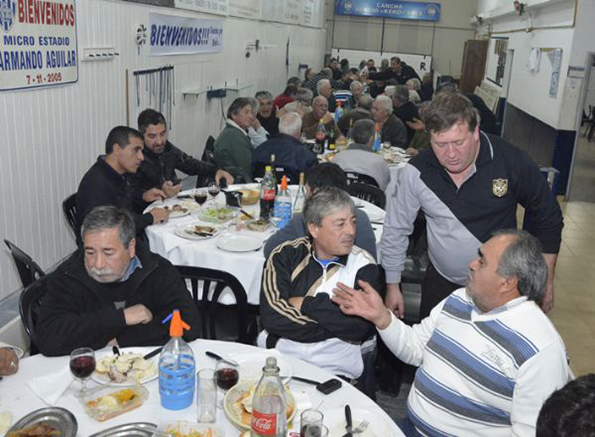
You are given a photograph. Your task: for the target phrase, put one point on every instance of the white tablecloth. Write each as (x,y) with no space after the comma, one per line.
(246,266)
(17,398)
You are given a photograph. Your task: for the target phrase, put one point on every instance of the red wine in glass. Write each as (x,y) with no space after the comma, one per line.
(82,366)
(200,197)
(213,190)
(227,378)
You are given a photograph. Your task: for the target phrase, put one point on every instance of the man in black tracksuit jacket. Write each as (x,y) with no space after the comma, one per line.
(85,306)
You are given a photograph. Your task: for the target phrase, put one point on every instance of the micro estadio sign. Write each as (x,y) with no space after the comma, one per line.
(38,43)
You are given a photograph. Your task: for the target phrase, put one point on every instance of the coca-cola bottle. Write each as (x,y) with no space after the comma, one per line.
(269,417)
(267,194)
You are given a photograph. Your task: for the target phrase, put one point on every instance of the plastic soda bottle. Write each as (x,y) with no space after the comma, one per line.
(282,210)
(269,417)
(267,193)
(377,145)
(338,112)
(177,376)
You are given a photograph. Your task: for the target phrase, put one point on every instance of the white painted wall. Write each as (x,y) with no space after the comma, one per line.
(444,40)
(52,136)
(530,91)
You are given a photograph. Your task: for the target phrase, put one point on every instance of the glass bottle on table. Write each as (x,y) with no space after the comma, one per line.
(320,138)
(274,173)
(267,193)
(331,140)
(269,417)
(300,199)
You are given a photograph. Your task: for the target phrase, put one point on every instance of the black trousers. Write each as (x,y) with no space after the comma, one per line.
(434,289)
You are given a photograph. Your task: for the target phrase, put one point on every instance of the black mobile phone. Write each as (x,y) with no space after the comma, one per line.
(329,386)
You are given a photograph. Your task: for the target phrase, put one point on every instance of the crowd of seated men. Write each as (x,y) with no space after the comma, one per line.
(488,357)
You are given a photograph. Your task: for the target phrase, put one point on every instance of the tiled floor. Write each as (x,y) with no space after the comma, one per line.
(574,309)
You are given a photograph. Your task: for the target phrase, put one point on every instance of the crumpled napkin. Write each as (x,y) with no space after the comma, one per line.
(52,386)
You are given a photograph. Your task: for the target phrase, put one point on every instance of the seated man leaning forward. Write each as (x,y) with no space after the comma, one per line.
(298,279)
(488,356)
(113,291)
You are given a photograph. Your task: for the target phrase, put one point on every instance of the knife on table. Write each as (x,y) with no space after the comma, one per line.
(348,421)
(220,358)
(153,353)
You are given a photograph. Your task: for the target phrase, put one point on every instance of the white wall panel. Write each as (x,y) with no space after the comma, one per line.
(50,137)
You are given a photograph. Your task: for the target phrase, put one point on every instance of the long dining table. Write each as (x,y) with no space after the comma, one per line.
(17,397)
(247,265)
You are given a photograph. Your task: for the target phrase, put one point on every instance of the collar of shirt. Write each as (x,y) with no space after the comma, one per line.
(134,264)
(237,126)
(507,306)
(358,146)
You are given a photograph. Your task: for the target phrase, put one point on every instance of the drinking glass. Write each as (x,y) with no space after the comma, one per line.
(82,366)
(200,196)
(206,396)
(310,418)
(213,189)
(226,376)
(315,431)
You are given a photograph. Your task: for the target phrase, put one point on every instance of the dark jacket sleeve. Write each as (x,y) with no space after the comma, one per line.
(328,314)
(394,131)
(279,317)
(386,74)
(294,229)
(364,236)
(162,292)
(66,322)
(89,195)
(193,166)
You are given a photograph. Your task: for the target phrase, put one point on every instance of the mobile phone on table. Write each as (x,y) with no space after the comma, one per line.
(329,386)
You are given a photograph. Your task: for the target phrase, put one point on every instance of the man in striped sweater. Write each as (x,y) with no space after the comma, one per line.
(488,356)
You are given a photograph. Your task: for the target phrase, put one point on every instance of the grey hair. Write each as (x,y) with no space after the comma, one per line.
(320,83)
(402,93)
(523,258)
(304,95)
(255,105)
(365,102)
(415,83)
(237,105)
(354,84)
(327,72)
(103,218)
(291,124)
(390,90)
(263,95)
(324,202)
(386,102)
(362,131)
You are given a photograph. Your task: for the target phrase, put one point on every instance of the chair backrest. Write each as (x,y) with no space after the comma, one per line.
(353,177)
(69,208)
(368,193)
(206,300)
(28,269)
(208,155)
(280,171)
(29,304)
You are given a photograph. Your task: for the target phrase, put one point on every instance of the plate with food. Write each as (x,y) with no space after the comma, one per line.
(128,368)
(251,364)
(218,214)
(334,419)
(196,231)
(104,402)
(181,209)
(238,404)
(45,422)
(182,428)
(258,225)
(136,429)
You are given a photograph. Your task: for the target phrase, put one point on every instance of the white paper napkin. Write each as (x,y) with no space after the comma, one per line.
(50,387)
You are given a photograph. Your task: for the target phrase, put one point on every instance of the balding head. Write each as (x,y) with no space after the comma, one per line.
(291,124)
(319,106)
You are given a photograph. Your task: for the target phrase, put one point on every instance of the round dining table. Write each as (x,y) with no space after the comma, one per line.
(247,265)
(17,397)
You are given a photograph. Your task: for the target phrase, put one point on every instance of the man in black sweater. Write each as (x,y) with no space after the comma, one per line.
(105,183)
(398,70)
(114,291)
(162,159)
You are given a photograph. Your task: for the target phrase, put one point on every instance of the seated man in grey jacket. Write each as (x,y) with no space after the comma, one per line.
(324,175)
(360,158)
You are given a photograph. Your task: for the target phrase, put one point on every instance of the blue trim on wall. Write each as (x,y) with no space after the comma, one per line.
(562,159)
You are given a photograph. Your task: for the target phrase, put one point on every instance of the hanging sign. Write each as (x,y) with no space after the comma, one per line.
(38,45)
(400,10)
(218,7)
(173,35)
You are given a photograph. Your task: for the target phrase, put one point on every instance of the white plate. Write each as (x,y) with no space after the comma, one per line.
(334,419)
(239,243)
(374,214)
(251,364)
(104,379)
(188,206)
(186,231)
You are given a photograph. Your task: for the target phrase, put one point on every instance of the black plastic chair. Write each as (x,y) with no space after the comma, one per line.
(69,208)
(368,193)
(208,155)
(218,321)
(29,304)
(354,178)
(29,270)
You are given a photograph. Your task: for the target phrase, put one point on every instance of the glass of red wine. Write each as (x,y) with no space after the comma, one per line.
(200,196)
(82,366)
(213,189)
(226,376)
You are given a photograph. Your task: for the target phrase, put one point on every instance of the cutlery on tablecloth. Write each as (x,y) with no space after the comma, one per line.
(348,422)
(153,353)
(220,358)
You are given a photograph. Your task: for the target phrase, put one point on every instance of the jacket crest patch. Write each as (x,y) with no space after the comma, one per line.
(499,187)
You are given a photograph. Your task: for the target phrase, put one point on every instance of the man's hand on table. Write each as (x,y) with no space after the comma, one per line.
(416,124)
(9,362)
(225,175)
(394,300)
(153,194)
(137,314)
(160,215)
(365,303)
(412,152)
(170,190)
(296,302)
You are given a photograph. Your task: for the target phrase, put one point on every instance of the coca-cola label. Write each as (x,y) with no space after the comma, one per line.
(268,194)
(264,424)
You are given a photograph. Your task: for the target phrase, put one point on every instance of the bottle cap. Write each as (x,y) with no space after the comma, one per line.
(177,325)
(284,182)
(267,168)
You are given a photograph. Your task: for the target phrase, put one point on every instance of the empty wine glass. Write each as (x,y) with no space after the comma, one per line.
(82,366)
